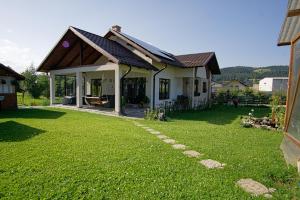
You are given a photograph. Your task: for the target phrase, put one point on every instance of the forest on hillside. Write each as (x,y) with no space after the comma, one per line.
(250,75)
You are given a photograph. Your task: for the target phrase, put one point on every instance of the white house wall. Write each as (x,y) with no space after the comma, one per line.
(266,85)
(107,81)
(201,72)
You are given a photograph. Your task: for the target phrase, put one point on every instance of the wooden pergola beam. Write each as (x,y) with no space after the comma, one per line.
(293,13)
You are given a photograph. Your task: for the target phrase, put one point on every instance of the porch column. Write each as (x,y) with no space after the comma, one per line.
(117,90)
(149,88)
(79,89)
(193,86)
(52,88)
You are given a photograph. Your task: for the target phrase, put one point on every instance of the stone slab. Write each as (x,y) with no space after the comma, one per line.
(253,187)
(192,154)
(154,132)
(169,141)
(179,146)
(162,137)
(212,164)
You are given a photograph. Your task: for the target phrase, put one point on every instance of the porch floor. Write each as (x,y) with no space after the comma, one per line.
(130,112)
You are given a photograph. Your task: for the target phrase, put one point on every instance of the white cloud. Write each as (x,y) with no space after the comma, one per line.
(9,30)
(17,57)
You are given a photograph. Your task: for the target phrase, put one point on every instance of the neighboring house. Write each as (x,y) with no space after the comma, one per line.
(234,85)
(119,65)
(274,85)
(8,80)
(290,35)
(215,87)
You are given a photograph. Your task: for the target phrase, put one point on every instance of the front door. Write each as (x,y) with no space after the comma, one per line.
(135,90)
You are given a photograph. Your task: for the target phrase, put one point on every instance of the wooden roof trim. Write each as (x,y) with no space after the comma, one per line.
(293,13)
(48,55)
(146,52)
(92,44)
(208,59)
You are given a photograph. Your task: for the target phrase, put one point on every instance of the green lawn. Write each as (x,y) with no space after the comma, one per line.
(61,154)
(28,100)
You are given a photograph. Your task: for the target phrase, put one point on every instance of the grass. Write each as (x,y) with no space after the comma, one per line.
(62,154)
(28,100)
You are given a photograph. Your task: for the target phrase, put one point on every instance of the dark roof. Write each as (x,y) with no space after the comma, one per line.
(61,57)
(116,50)
(188,60)
(225,83)
(95,46)
(200,60)
(7,71)
(194,60)
(291,26)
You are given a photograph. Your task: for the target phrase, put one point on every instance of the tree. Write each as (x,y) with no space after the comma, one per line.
(30,84)
(43,84)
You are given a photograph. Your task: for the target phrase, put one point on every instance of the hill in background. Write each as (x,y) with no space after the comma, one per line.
(250,75)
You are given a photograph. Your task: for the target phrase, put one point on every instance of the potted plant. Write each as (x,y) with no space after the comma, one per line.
(144,102)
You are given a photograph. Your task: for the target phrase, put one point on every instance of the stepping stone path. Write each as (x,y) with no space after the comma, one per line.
(169,141)
(162,137)
(212,164)
(149,129)
(155,132)
(192,154)
(179,146)
(255,188)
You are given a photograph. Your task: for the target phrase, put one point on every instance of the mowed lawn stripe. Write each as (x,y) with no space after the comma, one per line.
(56,153)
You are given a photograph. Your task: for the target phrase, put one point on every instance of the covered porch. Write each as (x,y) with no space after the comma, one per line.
(97,73)
(118,89)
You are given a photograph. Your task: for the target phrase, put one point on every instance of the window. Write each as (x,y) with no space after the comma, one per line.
(204,87)
(164,89)
(196,88)
(96,88)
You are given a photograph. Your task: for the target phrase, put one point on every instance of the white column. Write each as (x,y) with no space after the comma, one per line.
(149,88)
(193,87)
(117,90)
(79,89)
(52,88)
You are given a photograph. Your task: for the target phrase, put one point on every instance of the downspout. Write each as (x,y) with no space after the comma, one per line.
(122,86)
(153,100)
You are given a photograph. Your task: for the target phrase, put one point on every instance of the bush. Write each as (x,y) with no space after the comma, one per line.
(278,111)
(155,114)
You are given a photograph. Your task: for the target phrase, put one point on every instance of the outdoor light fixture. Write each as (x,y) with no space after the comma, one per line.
(66,44)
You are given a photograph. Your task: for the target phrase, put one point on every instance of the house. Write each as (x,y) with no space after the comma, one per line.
(119,67)
(234,85)
(215,87)
(8,81)
(290,35)
(273,85)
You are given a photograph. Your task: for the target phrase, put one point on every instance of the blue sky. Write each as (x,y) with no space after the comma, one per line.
(241,32)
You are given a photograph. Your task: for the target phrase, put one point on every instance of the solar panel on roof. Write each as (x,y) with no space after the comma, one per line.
(148,47)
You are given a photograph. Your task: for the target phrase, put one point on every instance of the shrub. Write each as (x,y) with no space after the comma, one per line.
(278,111)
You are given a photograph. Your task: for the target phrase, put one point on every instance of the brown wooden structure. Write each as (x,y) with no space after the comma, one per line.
(290,35)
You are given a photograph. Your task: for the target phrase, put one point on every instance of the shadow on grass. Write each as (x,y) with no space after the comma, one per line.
(220,115)
(11,131)
(33,113)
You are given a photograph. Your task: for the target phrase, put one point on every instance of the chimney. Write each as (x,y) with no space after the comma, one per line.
(116,28)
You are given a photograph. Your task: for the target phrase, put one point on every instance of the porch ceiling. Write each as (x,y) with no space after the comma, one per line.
(67,53)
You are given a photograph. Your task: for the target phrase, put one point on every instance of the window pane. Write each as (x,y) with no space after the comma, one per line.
(96,87)
(164,88)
